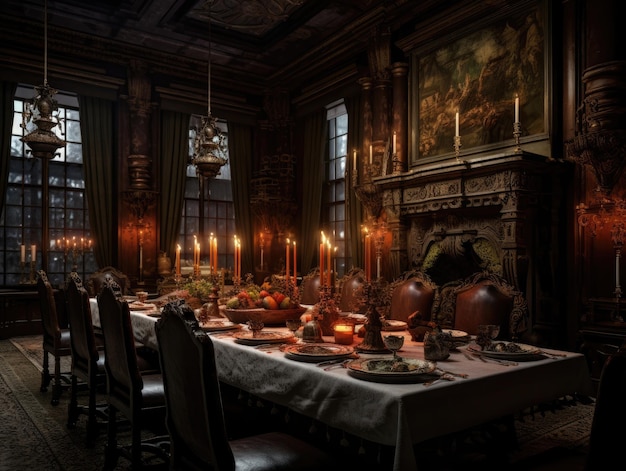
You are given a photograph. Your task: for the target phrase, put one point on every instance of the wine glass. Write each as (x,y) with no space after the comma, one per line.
(293,325)
(255,324)
(394,343)
(486,333)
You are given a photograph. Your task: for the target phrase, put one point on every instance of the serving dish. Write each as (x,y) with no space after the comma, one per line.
(525,353)
(381,370)
(316,352)
(267,316)
(265,336)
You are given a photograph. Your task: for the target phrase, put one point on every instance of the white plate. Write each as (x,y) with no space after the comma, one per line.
(265,336)
(138,306)
(314,352)
(527,353)
(373,369)
(217,325)
(390,325)
(456,334)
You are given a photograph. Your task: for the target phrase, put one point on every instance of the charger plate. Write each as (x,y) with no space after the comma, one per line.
(244,337)
(377,370)
(391,325)
(527,352)
(316,352)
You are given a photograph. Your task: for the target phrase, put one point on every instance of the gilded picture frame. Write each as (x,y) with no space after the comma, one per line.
(478,74)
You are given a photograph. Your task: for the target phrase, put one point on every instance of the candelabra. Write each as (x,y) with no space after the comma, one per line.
(31,273)
(73,249)
(374,294)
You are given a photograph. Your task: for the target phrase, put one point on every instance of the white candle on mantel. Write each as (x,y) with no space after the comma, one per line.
(394,142)
(22,253)
(370,154)
(516,109)
(456,127)
(33,252)
(354,160)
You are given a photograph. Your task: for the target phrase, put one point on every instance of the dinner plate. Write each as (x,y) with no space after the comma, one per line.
(390,325)
(377,370)
(138,306)
(527,353)
(456,334)
(265,336)
(219,324)
(315,352)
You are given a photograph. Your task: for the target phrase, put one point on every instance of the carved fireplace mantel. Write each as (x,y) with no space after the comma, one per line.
(499,204)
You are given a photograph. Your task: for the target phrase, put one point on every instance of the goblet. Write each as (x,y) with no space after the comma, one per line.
(485,333)
(293,325)
(394,343)
(255,324)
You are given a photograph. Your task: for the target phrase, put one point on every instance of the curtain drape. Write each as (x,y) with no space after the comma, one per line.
(315,149)
(173,170)
(96,127)
(354,209)
(240,155)
(8,95)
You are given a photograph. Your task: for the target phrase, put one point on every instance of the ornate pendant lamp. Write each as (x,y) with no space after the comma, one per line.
(209,146)
(42,141)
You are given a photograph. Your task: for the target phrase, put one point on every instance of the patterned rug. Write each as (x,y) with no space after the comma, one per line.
(34,436)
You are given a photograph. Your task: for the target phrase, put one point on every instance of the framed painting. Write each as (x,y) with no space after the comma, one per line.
(478,74)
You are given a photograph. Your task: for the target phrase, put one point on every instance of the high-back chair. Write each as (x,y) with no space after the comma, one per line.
(310,288)
(195,416)
(87,358)
(139,398)
(413,292)
(483,298)
(56,340)
(350,285)
(98,278)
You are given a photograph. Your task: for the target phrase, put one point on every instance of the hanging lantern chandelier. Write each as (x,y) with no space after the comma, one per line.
(209,145)
(42,140)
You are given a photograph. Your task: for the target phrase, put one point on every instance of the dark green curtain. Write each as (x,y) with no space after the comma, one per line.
(173,170)
(96,127)
(315,148)
(354,210)
(240,155)
(8,95)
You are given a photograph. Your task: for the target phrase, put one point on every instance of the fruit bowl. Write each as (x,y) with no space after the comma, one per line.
(268,316)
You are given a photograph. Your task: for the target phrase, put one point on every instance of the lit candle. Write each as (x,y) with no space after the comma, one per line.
(322,260)
(328,278)
(295,269)
(394,142)
(215,254)
(287,255)
(344,333)
(22,253)
(516,109)
(261,253)
(370,154)
(368,273)
(33,253)
(335,262)
(354,160)
(178,260)
(456,128)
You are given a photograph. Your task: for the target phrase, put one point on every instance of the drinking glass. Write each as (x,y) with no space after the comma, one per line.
(394,343)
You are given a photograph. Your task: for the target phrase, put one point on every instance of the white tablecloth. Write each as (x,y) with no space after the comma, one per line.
(399,415)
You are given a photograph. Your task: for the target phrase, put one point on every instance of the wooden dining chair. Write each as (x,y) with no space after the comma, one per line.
(483,298)
(411,293)
(350,285)
(97,279)
(56,340)
(87,360)
(138,397)
(310,288)
(195,415)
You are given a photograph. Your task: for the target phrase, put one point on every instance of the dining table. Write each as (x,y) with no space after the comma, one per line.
(467,389)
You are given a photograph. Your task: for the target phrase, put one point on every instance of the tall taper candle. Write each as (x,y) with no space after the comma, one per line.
(456,125)
(287,256)
(33,253)
(516,109)
(22,253)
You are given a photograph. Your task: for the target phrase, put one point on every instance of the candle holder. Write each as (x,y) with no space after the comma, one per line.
(325,313)
(31,275)
(375,297)
(517,133)
(457,147)
(73,249)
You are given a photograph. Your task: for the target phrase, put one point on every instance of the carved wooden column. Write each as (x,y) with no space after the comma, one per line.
(400,116)
(366,130)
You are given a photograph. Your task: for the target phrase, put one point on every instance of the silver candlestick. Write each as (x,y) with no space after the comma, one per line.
(517,133)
